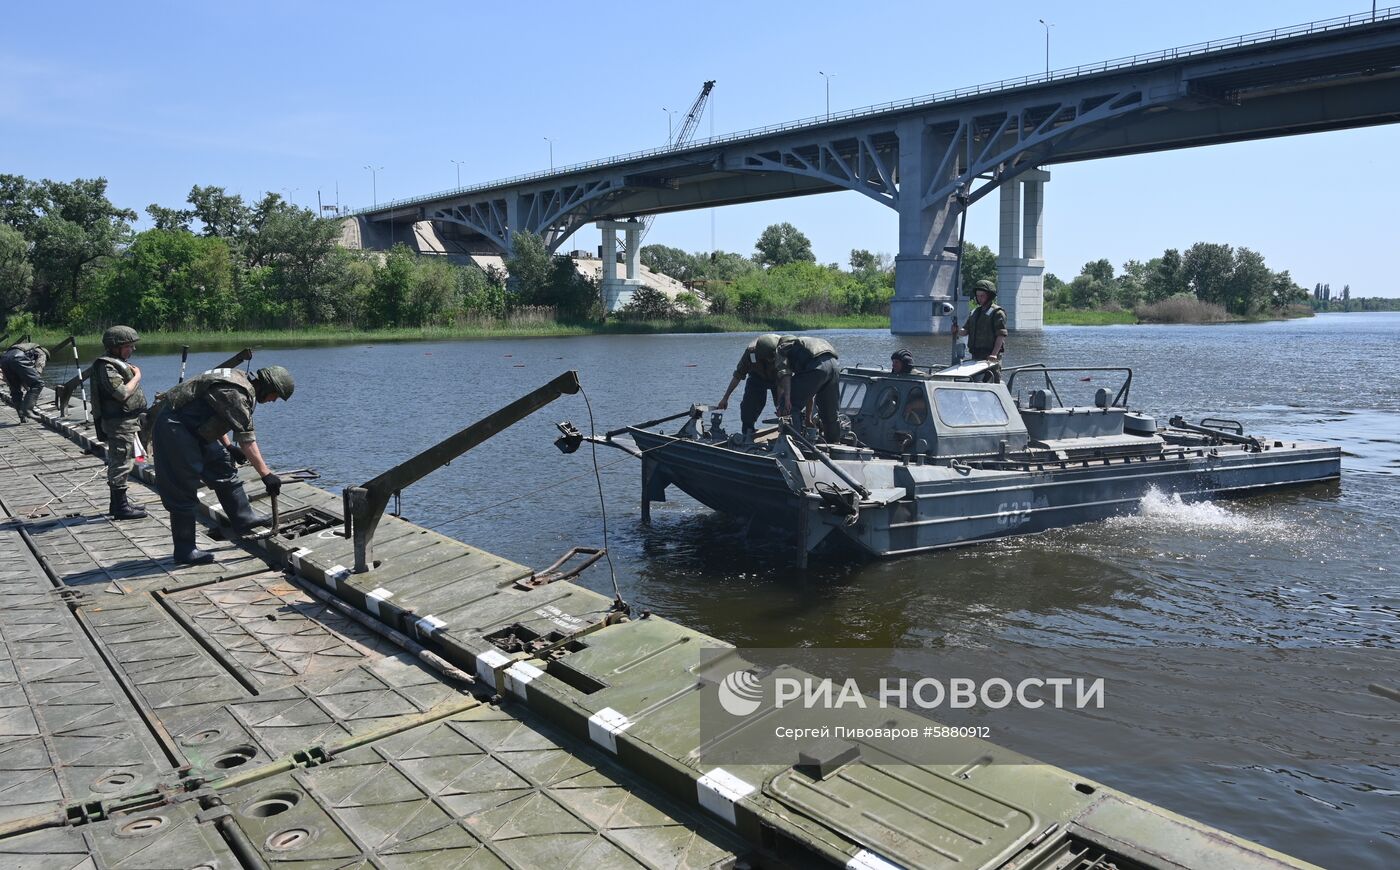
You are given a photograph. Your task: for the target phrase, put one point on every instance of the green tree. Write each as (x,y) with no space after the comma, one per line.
(16,274)
(781,244)
(76,227)
(1131,286)
(723,266)
(1250,284)
(670,261)
(481,294)
(221,213)
(528,266)
(572,296)
(295,244)
(170,218)
(1167,278)
(393,286)
(1206,267)
(171,279)
(979,263)
(1093,287)
(864,261)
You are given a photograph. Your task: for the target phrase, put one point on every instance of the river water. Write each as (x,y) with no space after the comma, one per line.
(1303,568)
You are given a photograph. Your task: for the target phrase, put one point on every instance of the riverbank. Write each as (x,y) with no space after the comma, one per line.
(325,336)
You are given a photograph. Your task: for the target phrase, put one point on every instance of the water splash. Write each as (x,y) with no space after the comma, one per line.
(1162,510)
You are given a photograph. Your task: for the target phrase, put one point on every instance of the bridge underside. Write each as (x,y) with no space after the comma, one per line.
(932,162)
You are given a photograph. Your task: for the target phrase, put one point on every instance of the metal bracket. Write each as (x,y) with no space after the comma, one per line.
(364,505)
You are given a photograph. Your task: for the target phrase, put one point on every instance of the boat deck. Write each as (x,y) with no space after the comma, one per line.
(274,709)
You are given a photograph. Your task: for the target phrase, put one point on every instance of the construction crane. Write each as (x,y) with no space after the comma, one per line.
(682,137)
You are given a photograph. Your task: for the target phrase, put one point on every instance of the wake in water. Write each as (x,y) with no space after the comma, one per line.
(1168,511)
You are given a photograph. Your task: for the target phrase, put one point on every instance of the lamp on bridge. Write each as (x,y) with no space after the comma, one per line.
(828,77)
(459,172)
(1047,46)
(551,152)
(374,182)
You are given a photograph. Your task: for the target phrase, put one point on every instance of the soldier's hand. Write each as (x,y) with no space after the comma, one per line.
(237,454)
(723,405)
(273,483)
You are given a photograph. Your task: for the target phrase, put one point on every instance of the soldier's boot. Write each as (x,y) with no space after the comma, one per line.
(182,532)
(240,513)
(31,400)
(122,509)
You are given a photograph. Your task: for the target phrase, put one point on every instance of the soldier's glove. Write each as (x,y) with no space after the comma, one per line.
(273,483)
(236,453)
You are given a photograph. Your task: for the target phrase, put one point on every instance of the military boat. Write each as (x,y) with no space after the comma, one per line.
(938,458)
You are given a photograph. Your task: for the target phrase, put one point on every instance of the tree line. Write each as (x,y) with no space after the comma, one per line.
(69,258)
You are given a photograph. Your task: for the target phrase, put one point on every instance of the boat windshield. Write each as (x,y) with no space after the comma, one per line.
(852,397)
(969,407)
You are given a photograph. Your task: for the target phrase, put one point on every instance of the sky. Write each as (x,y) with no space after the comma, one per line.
(300,97)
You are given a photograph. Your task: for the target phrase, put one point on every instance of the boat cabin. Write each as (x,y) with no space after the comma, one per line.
(948,413)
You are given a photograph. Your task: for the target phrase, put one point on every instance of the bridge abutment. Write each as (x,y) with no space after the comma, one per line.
(924,269)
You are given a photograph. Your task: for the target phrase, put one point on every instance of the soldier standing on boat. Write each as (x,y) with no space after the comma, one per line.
(807,371)
(985,326)
(192,445)
(120,404)
(23,366)
(758,370)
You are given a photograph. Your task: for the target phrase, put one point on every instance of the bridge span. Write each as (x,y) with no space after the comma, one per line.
(931,158)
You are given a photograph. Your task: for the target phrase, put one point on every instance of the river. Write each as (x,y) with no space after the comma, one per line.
(1307,567)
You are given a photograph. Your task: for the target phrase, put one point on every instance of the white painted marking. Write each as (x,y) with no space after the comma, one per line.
(336,574)
(376,598)
(520,675)
(719,790)
(486,665)
(296,556)
(605,725)
(427,625)
(868,860)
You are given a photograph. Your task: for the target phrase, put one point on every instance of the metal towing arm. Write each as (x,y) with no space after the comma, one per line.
(365,504)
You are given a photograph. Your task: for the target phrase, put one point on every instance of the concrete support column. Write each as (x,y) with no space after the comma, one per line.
(633,240)
(617,292)
(1021,266)
(609,253)
(925,269)
(1010,220)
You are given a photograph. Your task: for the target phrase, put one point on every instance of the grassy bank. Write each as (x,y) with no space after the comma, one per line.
(1077,317)
(203,340)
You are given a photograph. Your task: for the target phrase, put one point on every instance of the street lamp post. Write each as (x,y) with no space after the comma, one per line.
(670,115)
(374,182)
(1047,46)
(828,77)
(551,152)
(459,171)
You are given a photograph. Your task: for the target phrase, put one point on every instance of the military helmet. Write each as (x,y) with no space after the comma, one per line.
(766,345)
(278,379)
(986,287)
(116,336)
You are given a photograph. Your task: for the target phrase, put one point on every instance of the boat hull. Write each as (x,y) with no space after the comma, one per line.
(927,507)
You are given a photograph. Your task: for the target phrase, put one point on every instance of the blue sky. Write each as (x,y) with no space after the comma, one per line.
(299,96)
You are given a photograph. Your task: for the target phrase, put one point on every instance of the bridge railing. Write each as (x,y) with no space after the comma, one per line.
(1144,59)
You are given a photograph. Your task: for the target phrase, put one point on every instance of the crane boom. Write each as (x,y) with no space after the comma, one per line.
(682,137)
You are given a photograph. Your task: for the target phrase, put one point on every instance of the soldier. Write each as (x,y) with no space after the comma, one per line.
(901,362)
(23,365)
(760,376)
(986,325)
(807,371)
(192,445)
(116,383)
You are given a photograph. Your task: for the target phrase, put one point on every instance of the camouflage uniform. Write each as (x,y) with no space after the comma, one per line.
(120,417)
(983,326)
(810,363)
(760,377)
(23,366)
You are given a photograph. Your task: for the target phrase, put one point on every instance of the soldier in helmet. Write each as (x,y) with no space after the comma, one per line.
(192,444)
(23,366)
(986,325)
(116,384)
(808,374)
(758,370)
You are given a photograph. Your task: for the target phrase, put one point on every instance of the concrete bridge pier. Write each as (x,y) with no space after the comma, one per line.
(617,292)
(925,268)
(1021,257)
